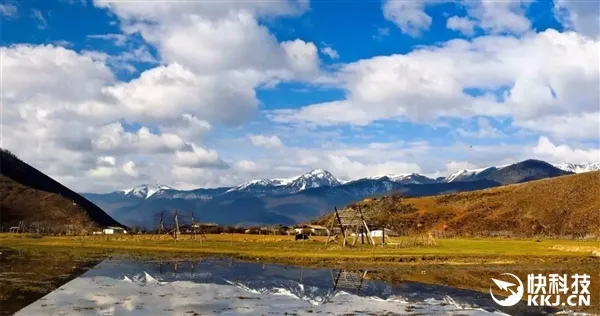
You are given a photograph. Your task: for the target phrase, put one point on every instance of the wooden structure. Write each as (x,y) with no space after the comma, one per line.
(354,220)
(317,230)
(16,229)
(349,280)
(175,232)
(196,228)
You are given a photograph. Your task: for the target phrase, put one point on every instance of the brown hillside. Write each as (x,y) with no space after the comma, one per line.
(562,206)
(29,196)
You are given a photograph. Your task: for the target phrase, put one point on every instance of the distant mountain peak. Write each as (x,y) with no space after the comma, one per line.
(145,190)
(404,178)
(312,179)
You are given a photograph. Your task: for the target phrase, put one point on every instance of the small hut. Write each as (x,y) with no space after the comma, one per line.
(114,230)
(312,230)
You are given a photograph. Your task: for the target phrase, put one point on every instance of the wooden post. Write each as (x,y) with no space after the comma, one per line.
(362,236)
(176,226)
(382,237)
(369,237)
(337,215)
(330,230)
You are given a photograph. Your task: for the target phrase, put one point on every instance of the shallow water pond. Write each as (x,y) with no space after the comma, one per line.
(230,287)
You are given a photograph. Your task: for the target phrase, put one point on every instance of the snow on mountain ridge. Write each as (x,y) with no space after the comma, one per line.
(579,167)
(145,190)
(313,179)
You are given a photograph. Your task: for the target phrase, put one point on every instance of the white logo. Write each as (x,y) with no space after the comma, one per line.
(513,298)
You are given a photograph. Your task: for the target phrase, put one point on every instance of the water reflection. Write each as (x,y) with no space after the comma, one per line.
(124,287)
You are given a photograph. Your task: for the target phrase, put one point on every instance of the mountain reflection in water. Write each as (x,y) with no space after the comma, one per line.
(124,287)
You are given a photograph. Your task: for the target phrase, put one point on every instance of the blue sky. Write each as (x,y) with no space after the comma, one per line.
(200,94)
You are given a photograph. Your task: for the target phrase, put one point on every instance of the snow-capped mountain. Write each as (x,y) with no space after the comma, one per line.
(145,190)
(467,174)
(579,167)
(405,178)
(314,179)
(307,196)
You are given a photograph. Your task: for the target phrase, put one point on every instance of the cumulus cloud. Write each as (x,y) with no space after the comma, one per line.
(494,17)
(433,82)
(581,16)
(114,138)
(409,16)
(485,129)
(270,142)
(500,16)
(301,56)
(330,52)
(129,169)
(463,25)
(546,149)
(199,157)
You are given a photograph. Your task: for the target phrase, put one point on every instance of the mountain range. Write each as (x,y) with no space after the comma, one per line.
(298,199)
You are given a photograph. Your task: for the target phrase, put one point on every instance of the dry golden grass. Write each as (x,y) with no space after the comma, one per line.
(562,206)
(50,212)
(565,207)
(315,251)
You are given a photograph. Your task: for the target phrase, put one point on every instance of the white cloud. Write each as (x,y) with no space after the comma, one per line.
(105,171)
(46,70)
(409,16)
(107,160)
(199,157)
(102,172)
(248,166)
(206,77)
(164,92)
(269,142)
(129,169)
(430,82)
(584,125)
(332,53)
(114,139)
(581,16)
(190,127)
(301,56)
(492,16)
(500,16)
(344,167)
(117,39)
(545,149)
(463,25)
(8,10)
(485,129)
(38,16)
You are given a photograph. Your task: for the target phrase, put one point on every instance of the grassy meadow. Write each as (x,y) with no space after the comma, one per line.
(278,248)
